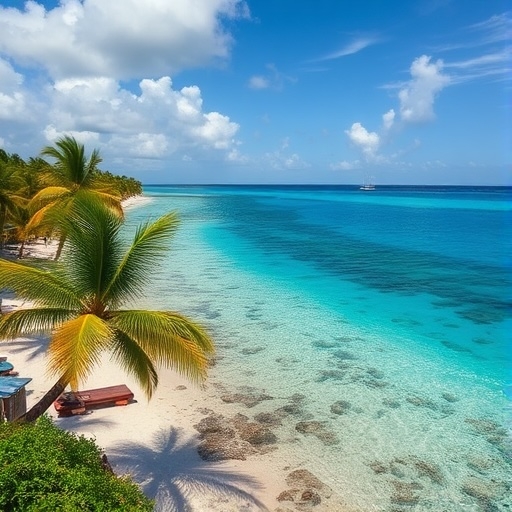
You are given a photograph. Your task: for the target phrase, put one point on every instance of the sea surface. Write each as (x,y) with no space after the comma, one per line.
(383,317)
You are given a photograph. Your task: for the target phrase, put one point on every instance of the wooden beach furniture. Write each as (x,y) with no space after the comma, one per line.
(69,403)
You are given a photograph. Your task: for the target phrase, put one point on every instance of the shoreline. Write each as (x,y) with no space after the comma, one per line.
(157,442)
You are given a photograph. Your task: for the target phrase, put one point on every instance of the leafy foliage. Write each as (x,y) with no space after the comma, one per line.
(80,304)
(23,182)
(44,468)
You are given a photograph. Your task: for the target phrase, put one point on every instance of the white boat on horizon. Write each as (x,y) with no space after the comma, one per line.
(368,185)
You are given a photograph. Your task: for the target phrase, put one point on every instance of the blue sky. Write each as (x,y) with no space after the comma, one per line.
(281,91)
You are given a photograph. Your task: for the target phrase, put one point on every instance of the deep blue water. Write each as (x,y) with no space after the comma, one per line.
(396,300)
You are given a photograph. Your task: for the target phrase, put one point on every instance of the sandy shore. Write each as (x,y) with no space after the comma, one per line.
(157,442)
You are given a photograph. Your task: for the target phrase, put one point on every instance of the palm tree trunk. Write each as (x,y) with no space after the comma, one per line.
(61,246)
(46,401)
(3,214)
(20,252)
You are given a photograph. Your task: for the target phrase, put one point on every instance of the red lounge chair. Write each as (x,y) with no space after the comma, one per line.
(77,403)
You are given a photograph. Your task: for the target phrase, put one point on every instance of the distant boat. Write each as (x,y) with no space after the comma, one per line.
(368,185)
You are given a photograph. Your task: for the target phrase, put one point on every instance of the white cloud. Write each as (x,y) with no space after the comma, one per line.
(418,95)
(157,122)
(344,165)
(354,46)
(123,40)
(258,82)
(13,102)
(274,79)
(388,119)
(367,142)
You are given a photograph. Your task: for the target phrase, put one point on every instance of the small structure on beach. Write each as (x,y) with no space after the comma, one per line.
(13,397)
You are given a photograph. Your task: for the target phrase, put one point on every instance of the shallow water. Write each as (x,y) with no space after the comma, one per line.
(383,315)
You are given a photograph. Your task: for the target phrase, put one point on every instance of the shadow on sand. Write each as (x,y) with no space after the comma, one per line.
(170,471)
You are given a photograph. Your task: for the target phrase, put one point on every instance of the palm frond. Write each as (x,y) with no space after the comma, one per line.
(168,339)
(150,244)
(41,287)
(94,245)
(33,321)
(41,218)
(76,346)
(70,157)
(48,195)
(130,356)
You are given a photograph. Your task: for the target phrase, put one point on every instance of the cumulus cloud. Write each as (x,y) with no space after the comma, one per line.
(367,142)
(12,100)
(80,51)
(123,40)
(417,96)
(388,119)
(155,122)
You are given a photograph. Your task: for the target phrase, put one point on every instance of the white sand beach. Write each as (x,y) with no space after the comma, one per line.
(156,441)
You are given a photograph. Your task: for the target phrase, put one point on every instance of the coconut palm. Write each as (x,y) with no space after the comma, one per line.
(10,184)
(19,219)
(79,303)
(72,176)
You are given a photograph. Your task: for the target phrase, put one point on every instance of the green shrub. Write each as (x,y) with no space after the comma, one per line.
(46,469)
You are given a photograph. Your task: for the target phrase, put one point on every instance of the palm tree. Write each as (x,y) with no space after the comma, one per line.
(19,219)
(79,303)
(72,176)
(10,184)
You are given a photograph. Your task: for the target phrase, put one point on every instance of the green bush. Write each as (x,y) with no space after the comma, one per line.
(44,468)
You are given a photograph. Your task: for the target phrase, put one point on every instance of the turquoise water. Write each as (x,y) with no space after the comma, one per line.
(388,311)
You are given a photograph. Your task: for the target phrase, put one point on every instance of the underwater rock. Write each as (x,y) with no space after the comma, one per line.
(325,344)
(305,479)
(305,491)
(213,423)
(340,407)
(392,404)
(218,446)
(455,346)
(378,467)
(272,419)
(180,388)
(419,401)
(375,373)
(373,383)
(410,468)
(404,493)
(482,341)
(235,438)
(249,400)
(317,429)
(251,350)
(481,463)
(288,495)
(344,355)
(429,470)
(450,398)
(295,407)
(331,375)
(254,433)
(491,431)
(482,490)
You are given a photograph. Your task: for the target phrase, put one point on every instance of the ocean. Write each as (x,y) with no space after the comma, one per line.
(382,319)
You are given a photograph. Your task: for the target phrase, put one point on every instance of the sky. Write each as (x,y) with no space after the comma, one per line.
(265,91)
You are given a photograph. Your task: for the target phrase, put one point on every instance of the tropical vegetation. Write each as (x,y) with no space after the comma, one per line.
(80,303)
(45,189)
(44,468)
